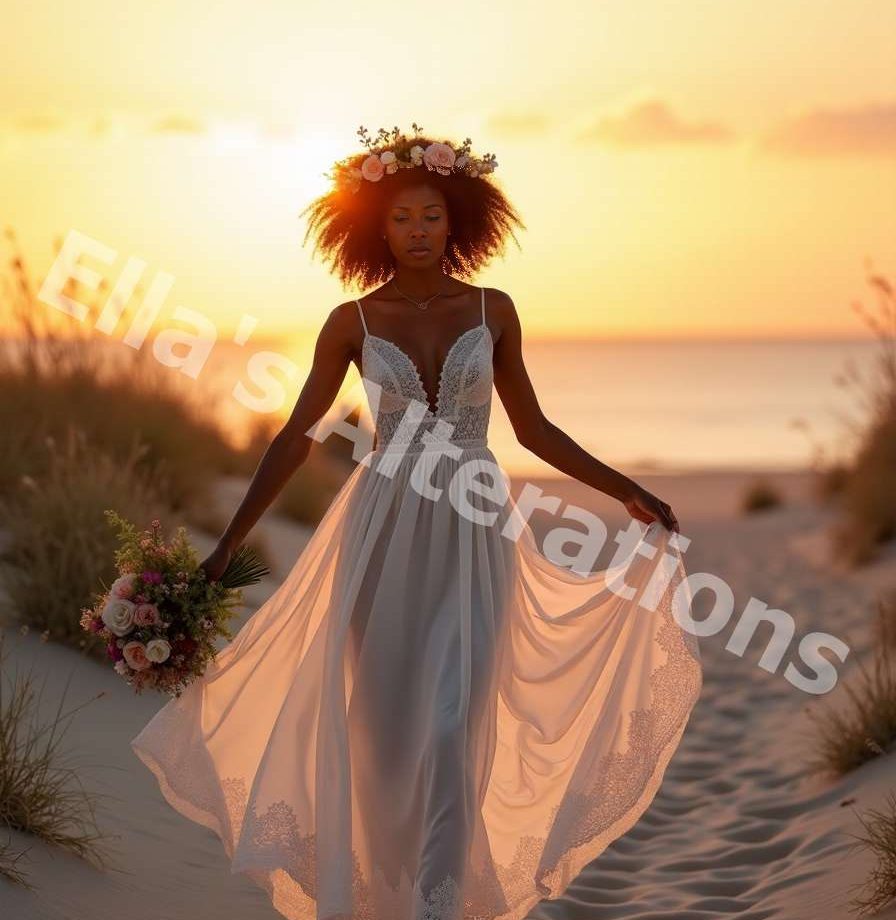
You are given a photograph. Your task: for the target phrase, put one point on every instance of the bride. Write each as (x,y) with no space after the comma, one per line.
(432,718)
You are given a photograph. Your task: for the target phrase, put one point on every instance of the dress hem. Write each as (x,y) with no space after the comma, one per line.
(562,875)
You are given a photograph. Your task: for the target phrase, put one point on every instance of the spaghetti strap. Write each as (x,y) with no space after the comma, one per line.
(483,305)
(363,321)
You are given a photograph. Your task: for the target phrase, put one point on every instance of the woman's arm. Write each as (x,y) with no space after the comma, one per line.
(546,440)
(290,446)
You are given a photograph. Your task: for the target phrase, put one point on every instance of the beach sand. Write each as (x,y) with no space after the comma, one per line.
(739,827)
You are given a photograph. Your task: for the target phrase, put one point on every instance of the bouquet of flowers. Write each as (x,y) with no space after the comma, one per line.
(160,617)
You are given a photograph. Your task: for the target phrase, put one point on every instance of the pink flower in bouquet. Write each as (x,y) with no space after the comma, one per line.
(147,615)
(123,586)
(135,655)
(114,652)
(152,578)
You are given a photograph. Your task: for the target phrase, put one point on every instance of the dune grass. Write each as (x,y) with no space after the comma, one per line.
(864,727)
(41,794)
(59,546)
(760,495)
(879,888)
(58,373)
(864,488)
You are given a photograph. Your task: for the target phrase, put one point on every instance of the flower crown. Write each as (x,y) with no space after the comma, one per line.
(389,152)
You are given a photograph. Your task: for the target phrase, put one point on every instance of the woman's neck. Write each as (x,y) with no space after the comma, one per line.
(423,283)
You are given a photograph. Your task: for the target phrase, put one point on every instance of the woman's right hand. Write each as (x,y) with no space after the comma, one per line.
(216,563)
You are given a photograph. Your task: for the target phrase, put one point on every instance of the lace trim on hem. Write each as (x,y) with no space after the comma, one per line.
(295,899)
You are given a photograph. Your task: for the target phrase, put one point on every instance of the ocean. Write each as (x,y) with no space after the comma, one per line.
(643,406)
(685,405)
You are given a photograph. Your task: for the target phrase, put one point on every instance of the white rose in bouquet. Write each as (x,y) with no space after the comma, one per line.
(158,650)
(118,615)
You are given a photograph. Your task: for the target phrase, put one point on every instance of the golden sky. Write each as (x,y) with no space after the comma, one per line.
(701,168)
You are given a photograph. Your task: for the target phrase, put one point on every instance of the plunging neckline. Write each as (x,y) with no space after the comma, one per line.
(413,364)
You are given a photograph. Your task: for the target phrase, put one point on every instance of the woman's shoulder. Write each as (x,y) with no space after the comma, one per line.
(500,300)
(500,312)
(342,330)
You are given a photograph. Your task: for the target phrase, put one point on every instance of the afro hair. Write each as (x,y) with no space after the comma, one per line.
(347,224)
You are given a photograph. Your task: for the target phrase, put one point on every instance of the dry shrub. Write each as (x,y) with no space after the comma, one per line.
(879,889)
(40,793)
(760,495)
(865,726)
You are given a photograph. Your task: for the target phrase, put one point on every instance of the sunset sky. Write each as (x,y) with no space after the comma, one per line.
(701,168)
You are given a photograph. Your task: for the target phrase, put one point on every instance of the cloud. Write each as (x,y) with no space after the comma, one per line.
(38,123)
(518,125)
(868,130)
(652,124)
(178,124)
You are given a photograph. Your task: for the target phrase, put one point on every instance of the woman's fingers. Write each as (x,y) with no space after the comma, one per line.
(669,519)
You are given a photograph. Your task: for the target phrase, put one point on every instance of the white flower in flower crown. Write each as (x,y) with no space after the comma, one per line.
(416,154)
(462,161)
(388,158)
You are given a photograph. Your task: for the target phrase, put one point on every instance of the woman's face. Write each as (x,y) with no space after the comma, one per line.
(416,226)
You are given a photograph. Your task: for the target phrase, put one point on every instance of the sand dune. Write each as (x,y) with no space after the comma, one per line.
(738,829)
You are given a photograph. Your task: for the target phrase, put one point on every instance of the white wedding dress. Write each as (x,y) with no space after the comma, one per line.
(430,719)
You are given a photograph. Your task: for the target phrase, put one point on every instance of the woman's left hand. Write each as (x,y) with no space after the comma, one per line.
(646,507)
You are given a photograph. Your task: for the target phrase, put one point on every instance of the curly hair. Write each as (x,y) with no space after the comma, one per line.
(348,225)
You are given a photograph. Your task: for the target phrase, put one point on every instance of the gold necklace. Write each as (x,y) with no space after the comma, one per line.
(420,305)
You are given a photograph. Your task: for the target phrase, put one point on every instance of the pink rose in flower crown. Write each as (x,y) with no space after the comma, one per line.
(439,157)
(146,615)
(373,168)
(135,655)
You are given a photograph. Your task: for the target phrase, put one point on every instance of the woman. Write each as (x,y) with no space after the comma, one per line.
(431,718)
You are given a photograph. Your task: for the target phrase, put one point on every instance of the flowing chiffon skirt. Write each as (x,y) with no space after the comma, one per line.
(429,718)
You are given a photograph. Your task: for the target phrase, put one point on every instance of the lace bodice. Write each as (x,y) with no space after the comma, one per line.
(395,390)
